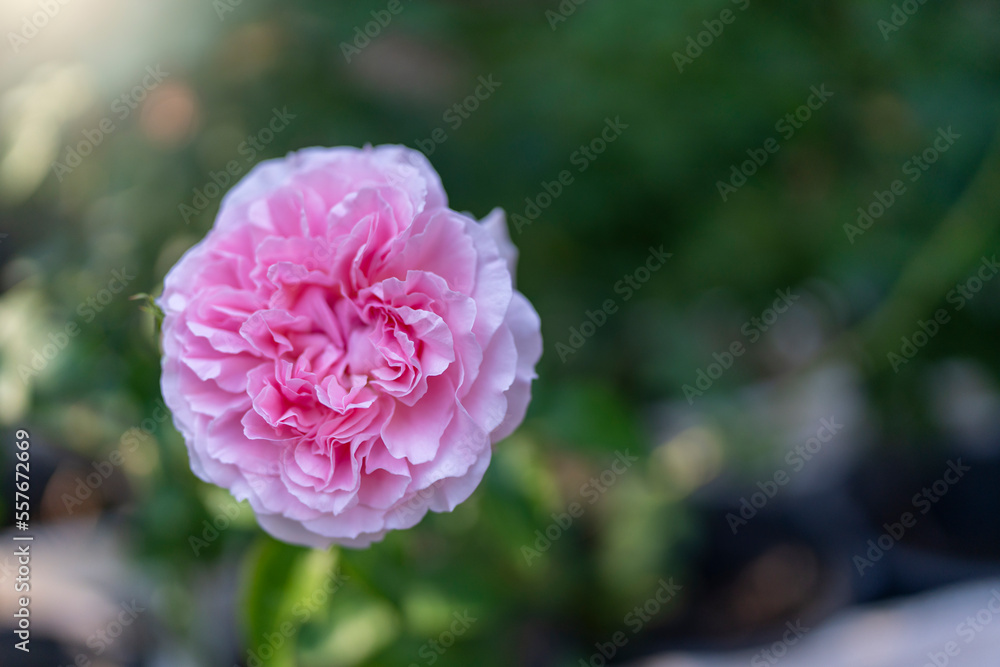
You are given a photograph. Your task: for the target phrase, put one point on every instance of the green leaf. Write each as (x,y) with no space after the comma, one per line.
(281,586)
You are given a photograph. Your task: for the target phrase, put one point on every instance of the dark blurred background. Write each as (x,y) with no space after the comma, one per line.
(793,420)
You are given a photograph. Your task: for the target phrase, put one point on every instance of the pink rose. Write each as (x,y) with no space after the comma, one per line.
(342,349)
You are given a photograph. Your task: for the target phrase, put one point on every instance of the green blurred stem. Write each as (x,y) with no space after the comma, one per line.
(947,257)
